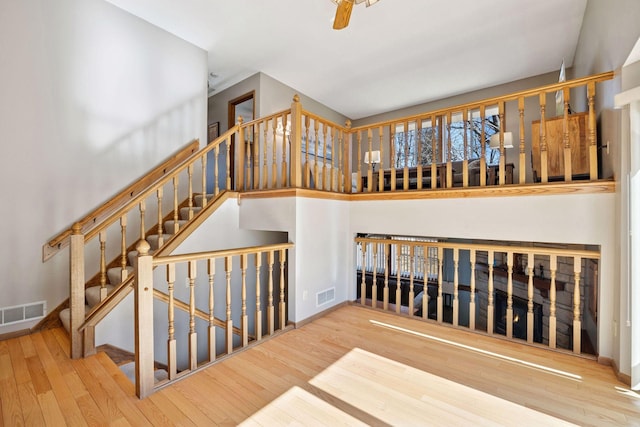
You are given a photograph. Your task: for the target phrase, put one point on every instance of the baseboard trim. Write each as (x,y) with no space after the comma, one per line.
(621,376)
(319,315)
(14,334)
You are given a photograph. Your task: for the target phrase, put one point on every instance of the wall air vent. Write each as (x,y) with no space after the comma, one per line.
(325,296)
(23,313)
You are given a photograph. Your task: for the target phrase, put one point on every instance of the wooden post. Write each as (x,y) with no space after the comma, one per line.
(593,150)
(256,155)
(240,149)
(359,154)
(143,297)
(295,156)
(522,167)
(176,205)
(472,284)
(274,151)
(270,311)
(509,294)
(228,265)
(374,285)
(123,248)
(411,289)
(306,174)
(363,271)
(258,319)
(370,168)
(211,271)
(456,278)
(204,180)
(565,137)
(398,277)
(425,283)
(440,270)
(103,264)
(316,128)
(159,194)
(385,291)
(216,175)
(193,335)
(76,288)
(172,363)
(282,305)
(553,267)
(405,172)
(434,151)
(503,154)
(544,155)
(449,152)
(530,271)
(189,196)
(244,326)
(284,166)
(577,331)
(420,160)
(490,260)
(483,148)
(346,161)
(228,165)
(392,148)
(465,158)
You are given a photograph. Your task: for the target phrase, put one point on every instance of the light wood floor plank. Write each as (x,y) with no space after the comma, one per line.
(354,365)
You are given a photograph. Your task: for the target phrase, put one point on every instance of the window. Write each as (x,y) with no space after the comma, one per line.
(414,146)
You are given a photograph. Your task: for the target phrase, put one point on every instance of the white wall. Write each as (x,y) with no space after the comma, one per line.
(92,98)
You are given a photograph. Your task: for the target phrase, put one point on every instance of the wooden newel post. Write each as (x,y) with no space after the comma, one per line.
(143,291)
(76,288)
(295,159)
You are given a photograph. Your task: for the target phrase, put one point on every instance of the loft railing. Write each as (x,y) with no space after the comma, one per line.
(537,294)
(250,282)
(105,249)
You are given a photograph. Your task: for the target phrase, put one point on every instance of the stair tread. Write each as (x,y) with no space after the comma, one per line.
(92,294)
(114,274)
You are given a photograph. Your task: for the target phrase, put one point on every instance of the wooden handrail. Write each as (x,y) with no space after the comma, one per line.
(596,78)
(94,218)
(160,260)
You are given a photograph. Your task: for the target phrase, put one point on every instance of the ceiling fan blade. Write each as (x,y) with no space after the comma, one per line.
(343,13)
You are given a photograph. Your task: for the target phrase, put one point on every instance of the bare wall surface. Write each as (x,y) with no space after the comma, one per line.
(92,98)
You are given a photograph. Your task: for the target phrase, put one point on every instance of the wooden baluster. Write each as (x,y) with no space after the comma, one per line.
(172,365)
(449,153)
(593,150)
(285,137)
(193,336)
(544,155)
(553,267)
(316,126)
(103,265)
(398,277)
(522,167)
(265,163)
(274,151)
(76,288)
(530,319)
(374,285)
(392,151)
(472,294)
(345,160)
(359,151)
(243,310)
(577,268)
(143,208)
(419,153)
(159,194)
(334,163)
(405,173)
(189,195)
(270,311)
(565,137)
(307,169)
(228,266)
(456,278)
(363,274)
(339,137)
(412,294)
(176,205)
(249,146)
(204,180)
(385,292)
(143,318)
(216,154)
(370,168)
(434,152)
(465,142)
(282,305)
(483,147)
(509,294)
(258,318)
(490,312)
(324,157)
(256,155)
(425,282)
(502,164)
(211,272)
(440,271)
(228,165)
(123,248)
(381,171)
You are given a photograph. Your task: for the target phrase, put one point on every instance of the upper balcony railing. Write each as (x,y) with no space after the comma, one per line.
(460,146)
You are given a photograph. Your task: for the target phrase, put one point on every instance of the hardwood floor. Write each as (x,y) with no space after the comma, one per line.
(354,366)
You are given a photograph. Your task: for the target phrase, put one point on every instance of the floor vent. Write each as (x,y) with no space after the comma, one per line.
(23,313)
(325,296)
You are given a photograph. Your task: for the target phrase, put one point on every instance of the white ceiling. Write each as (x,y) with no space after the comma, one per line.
(394,54)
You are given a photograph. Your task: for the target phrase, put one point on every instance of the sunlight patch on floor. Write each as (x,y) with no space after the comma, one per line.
(299,407)
(536,366)
(399,394)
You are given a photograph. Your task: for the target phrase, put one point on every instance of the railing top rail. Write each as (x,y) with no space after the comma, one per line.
(584,253)
(266,118)
(323,120)
(596,78)
(219,254)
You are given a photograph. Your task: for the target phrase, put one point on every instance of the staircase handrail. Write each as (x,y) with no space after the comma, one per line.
(60,241)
